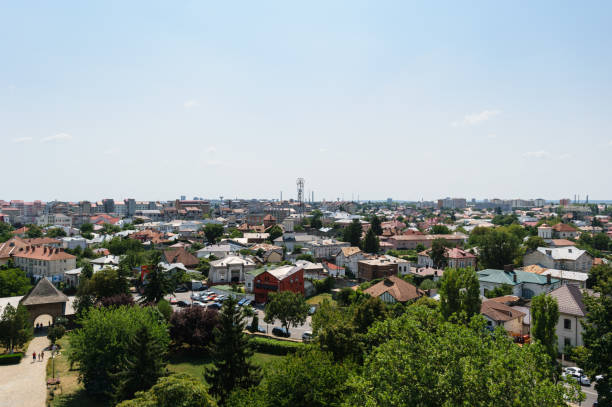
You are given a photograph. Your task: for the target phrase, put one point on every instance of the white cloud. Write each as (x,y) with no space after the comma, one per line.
(22,140)
(57,137)
(565,156)
(323,150)
(492,136)
(211,149)
(214,163)
(190,103)
(476,118)
(537,154)
(610,143)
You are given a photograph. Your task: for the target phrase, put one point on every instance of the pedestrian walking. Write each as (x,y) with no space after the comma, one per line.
(42,355)
(33,356)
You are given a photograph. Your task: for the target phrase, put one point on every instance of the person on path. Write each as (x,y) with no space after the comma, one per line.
(42,355)
(33,356)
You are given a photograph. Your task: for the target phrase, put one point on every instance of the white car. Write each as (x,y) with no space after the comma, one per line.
(198,304)
(578,374)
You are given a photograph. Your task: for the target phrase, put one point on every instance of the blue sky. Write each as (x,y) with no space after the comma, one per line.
(153,100)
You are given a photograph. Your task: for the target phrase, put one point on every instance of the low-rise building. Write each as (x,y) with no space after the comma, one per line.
(499,314)
(43,261)
(284,278)
(217,250)
(524,284)
(576,278)
(455,258)
(230,269)
(348,257)
(561,258)
(370,269)
(393,289)
(571,311)
(410,242)
(326,248)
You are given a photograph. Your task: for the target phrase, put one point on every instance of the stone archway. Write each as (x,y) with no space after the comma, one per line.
(45,299)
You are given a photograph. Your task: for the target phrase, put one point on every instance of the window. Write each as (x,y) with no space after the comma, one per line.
(567,324)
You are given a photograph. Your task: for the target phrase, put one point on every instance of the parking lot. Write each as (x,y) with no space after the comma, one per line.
(295,333)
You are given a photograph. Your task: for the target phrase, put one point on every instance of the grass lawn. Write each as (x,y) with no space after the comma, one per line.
(317,299)
(194,364)
(70,393)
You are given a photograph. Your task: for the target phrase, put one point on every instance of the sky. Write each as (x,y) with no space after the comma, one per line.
(408,100)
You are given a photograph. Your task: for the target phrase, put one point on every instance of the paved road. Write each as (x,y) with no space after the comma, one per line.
(24,385)
(295,333)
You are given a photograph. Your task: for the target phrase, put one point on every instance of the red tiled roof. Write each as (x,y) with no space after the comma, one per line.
(563,227)
(43,253)
(399,289)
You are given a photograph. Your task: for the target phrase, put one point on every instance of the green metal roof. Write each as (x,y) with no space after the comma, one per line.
(502,277)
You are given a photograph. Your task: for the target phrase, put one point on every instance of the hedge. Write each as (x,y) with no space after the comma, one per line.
(11,359)
(273,346)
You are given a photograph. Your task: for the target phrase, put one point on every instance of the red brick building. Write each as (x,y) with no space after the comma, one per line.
(284,278)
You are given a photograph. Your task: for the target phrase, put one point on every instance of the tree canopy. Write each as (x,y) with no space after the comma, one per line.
(13,282)
(213,231)
(545,316)
(352,233)
(460,293)
(288,307)
(177,390)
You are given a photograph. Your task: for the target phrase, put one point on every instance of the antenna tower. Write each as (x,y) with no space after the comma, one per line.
(300,195)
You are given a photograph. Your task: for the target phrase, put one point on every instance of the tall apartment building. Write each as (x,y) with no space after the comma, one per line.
(452,203)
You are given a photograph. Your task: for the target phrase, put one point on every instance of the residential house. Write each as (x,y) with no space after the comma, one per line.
(455,258)
(326,248)
(230,269)
(499,314)
(54,219)
(410,242)
(269,252)
(348,257)
(284,278)
(571,312)
(427,272)
(10,247)
(576,278)
(217,250)
(524,284)
(180,255)
(334,270)
(256,237)
(312,271)
(291,239)
(44,261)
(73,242)
(370,269)
(393,289)
(565,231)
(562,258)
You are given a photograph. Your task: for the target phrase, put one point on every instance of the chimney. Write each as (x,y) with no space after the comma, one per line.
(509,268)
(514,277)
(548,279)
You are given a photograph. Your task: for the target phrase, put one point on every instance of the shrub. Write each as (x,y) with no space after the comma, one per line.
(11,359)
(193,326)
(275,347)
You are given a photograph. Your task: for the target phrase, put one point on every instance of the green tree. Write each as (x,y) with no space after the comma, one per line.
(368,312)
(165,309)
(376,225)
(107,282)
(419,360)
(498,248)
(105,343)
(288,307)
(213,231)
(533,242)
(157,283)
(315,220)
(275,232)
(601,241)
(33,231)
(87,270)
(5,231)
(86,228)
(15,327)
(309,379)
(56,333)
(545,316)
(231,352)
(177,390)
(599,274)
(460,293)
(440,230)
(13,282)
(371,243)
(499,291)
(352,233)
(144,364)
(597,338)
(56,232)
(438,253)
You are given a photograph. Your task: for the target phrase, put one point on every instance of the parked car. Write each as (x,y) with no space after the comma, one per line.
(182,304)
(214,305)
(280,332)
(307,336)
(242,301)
(181,289)
(202,288)
(198,304)
(173,300)
(578,374)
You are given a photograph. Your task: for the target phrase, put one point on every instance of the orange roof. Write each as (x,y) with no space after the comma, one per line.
(43,253)
(563,227)
(399,289)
